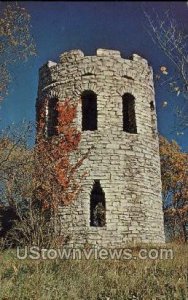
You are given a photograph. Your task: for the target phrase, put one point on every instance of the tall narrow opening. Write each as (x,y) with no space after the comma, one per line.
(52,117)
(152,106)
(97,206)
(89,110)
(129,117)
(152,113)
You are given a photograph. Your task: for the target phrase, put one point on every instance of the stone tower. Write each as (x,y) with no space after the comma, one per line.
(121,199)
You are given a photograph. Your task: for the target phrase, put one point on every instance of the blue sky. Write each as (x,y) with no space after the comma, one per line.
(65,25)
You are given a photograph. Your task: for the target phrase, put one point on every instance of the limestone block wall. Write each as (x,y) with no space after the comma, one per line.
(127,164)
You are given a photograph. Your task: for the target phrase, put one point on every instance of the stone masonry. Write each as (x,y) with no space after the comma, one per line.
(125,164)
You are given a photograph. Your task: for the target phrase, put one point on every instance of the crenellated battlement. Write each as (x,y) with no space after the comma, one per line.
(106,64)
(76,55)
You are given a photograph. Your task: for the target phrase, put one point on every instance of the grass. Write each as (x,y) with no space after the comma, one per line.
(94,279)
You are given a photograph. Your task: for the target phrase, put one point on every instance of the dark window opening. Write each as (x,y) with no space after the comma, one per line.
(87,74)
(152,110)
(52,117)
(97,206)
(152,106)
(89,110)
(128,77)
(129,118)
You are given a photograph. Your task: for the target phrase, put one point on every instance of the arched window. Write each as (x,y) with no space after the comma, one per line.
(89,110)
(52,117)
(97,206)
(129,118)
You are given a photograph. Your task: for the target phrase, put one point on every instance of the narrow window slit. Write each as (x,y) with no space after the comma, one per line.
(152,113)
(129,117)
(97,206)
(89,110)
(127,77)
(152,106)
(52,117)
(87,74)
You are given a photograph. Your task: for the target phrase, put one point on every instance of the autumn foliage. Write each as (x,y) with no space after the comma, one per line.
(16,41)
(174,170)
(35,182)
(55,171)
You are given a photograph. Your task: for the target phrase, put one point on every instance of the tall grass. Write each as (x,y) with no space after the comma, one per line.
(94,279)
